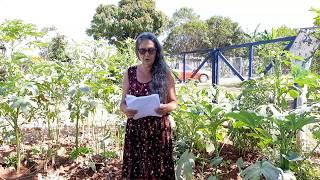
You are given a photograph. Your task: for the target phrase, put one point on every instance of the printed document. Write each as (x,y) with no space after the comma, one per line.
(146,105)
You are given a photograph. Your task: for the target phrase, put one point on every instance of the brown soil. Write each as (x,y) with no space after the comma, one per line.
(34,166)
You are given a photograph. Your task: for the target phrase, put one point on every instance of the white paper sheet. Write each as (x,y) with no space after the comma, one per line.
(146,105)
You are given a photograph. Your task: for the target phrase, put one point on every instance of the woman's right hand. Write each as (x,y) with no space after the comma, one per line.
(130,112)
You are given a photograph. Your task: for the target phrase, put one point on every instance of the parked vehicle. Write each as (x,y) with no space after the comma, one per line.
(201,76)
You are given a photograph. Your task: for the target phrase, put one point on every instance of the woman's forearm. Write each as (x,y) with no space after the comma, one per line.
(123,107)
(172,105)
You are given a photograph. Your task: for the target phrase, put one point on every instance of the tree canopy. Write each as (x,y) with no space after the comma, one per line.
(186,37)
(182,16)
(224,32)
(57,48)
(15,33)
(315,66)
(187,32)
(128,19)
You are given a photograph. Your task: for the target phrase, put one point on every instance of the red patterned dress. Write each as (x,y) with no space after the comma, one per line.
(148,144)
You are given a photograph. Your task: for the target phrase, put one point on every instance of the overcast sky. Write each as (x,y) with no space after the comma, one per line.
(72,17)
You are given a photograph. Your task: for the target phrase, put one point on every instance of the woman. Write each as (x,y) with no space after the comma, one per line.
(148,145)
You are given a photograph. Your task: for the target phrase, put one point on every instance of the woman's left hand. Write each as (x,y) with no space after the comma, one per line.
(163,109)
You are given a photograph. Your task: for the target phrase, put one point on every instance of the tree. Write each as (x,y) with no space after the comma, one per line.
(57,48)
(185,32)
(317,18)
(282,31)
(315,66)
(263,52)
(16,33)
(129,19)
(182,16)
(187,37)
(222,32)
(189,33)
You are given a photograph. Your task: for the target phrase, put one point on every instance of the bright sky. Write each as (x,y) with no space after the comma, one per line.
(72,17)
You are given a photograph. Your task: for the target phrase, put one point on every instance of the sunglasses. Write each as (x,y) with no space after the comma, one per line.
(149,50)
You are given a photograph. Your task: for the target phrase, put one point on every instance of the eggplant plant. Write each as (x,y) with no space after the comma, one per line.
(51,79)
(78,97)
(282,134)
(261,169)
(185,165)
(17,107)
(200,121)
(53,85)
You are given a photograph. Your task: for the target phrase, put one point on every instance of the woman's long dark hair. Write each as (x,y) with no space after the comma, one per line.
(159,68)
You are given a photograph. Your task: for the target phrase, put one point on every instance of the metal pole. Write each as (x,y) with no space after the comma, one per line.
(217,68)
(184,68)
(230,66)
(250,62)
(213,64)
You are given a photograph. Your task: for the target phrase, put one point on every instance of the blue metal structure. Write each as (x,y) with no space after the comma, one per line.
(216,55)
(2,48)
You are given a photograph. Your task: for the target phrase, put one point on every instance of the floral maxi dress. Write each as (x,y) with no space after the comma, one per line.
(148,144)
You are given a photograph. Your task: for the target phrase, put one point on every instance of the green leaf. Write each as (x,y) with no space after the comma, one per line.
(316,133)
(251,119)
(80,151)
(185,166)
(210,147)
(72,90)
(19,56)
(292,157)
(84,88)
(240,164)
(297,121)
(24,103)
(293,93)
(239,124)
(216,161)
(212,178)
(265,134)
(261,169)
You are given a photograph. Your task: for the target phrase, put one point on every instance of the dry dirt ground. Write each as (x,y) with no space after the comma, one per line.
(40,166)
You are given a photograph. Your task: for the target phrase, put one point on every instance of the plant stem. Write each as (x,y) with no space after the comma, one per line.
(17,134)
(77,130)
(49,129)
(312,151)
(58,125)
